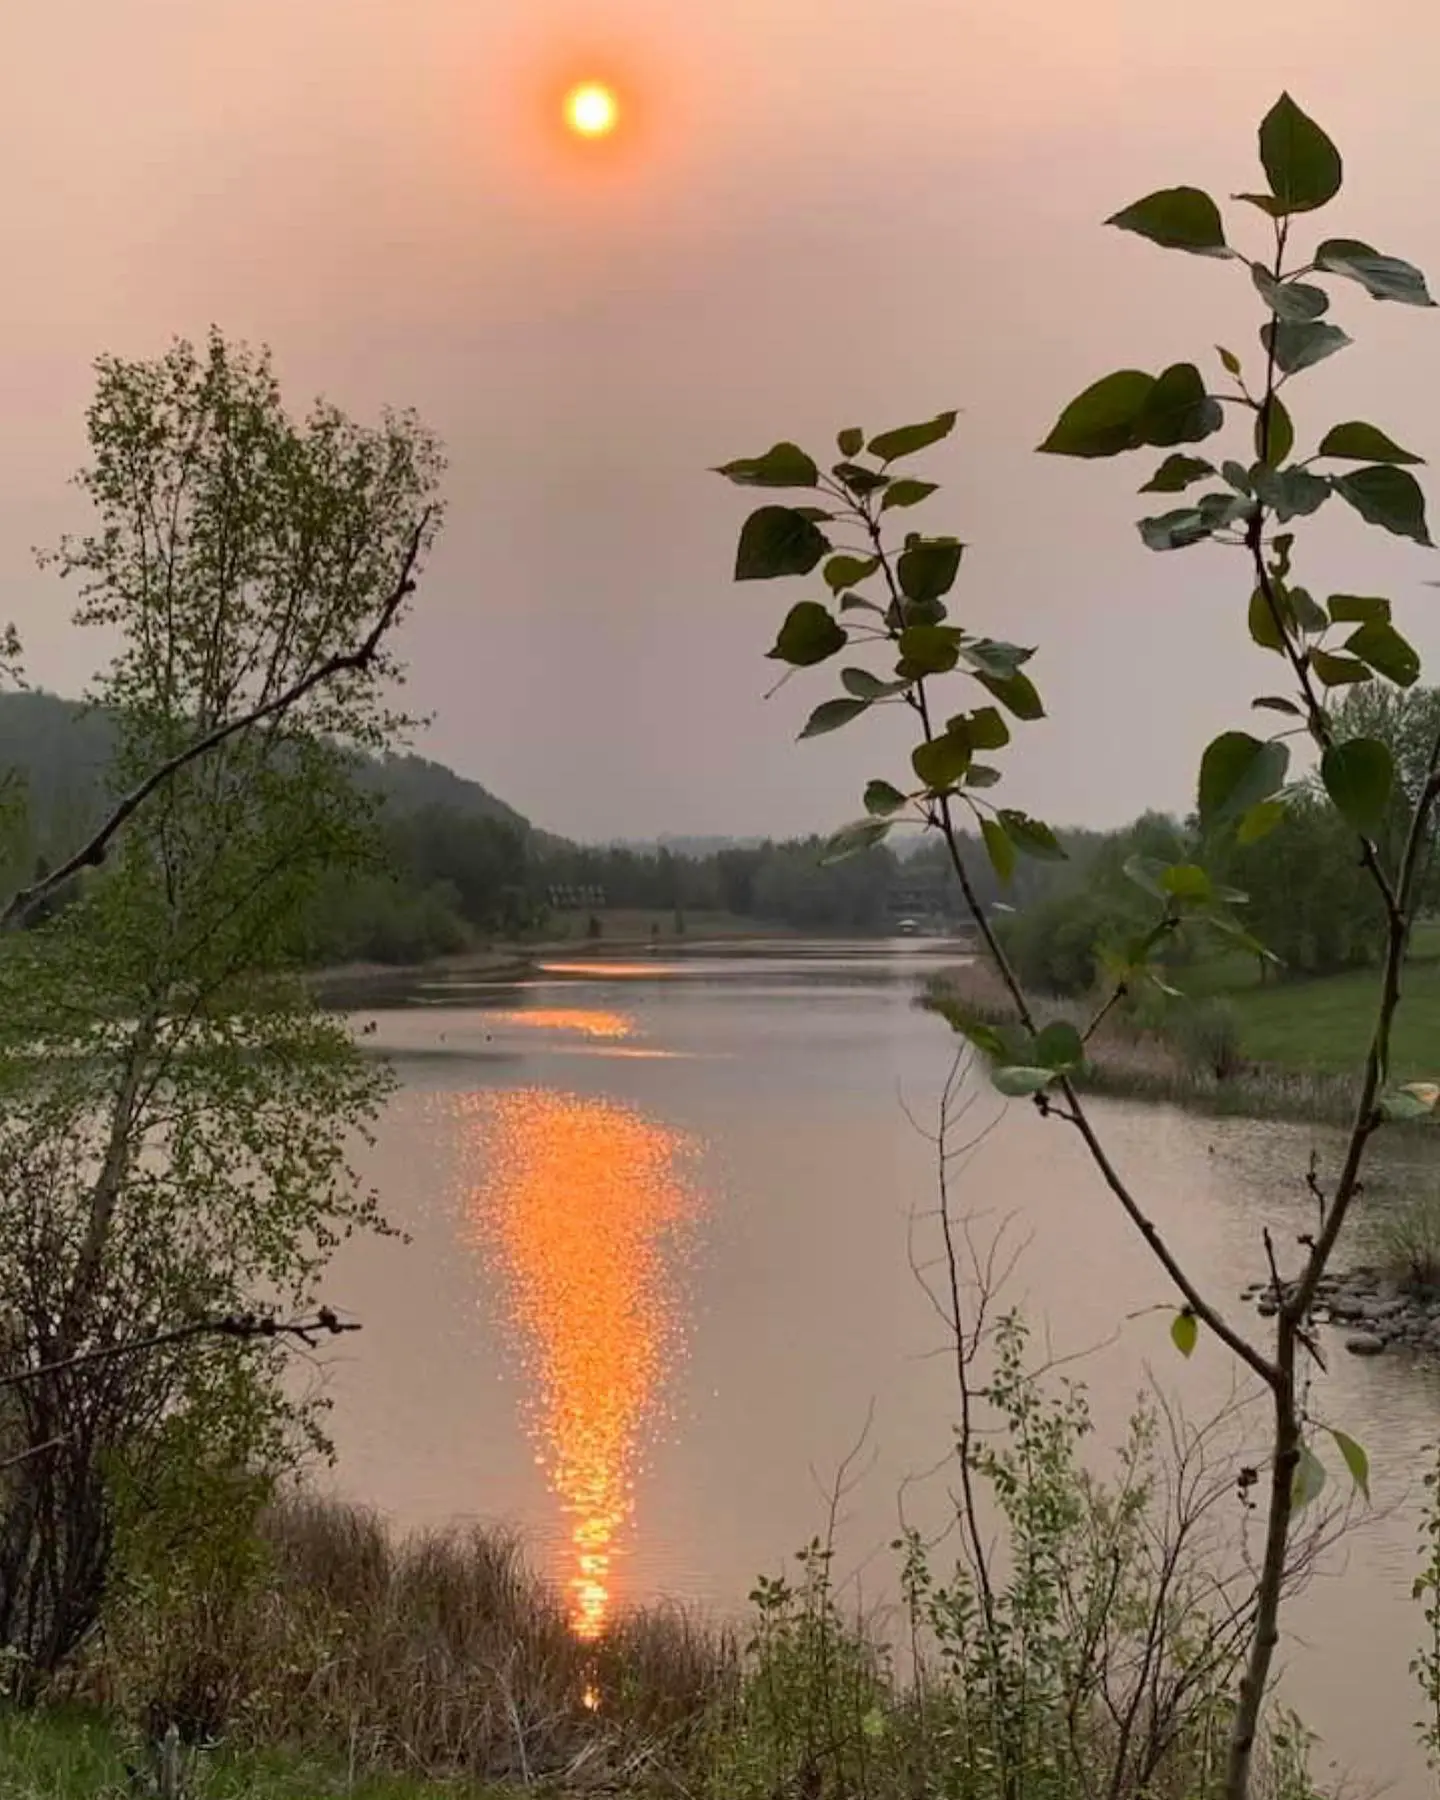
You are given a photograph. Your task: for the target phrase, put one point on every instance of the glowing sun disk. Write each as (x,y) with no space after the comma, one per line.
(591,109)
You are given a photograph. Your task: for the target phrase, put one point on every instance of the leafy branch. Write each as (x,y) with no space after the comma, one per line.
(1242,791)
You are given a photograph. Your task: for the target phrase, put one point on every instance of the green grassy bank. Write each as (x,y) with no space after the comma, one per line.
(70,1754)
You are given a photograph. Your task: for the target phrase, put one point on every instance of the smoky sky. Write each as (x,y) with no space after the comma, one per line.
(827,213)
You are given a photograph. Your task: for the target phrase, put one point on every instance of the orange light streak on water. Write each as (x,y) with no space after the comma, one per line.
(588,1022)
(577,1213)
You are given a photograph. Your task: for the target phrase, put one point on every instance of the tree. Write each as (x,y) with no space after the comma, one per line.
(175,1115)
(889,599)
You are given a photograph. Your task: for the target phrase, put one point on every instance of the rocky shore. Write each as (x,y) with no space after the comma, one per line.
(1376,1312)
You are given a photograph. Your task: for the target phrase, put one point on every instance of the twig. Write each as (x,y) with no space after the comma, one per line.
(245,1327)
(22,904)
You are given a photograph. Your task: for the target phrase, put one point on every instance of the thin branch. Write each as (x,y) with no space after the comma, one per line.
(22,904)
(244,1327)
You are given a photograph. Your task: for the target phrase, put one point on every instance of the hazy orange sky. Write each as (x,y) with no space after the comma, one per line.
(829,212)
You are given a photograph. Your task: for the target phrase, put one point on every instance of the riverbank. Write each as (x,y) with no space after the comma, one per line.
(1375,1311)
(1125,1061)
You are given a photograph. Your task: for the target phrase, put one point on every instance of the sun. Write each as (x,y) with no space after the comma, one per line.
(591,110)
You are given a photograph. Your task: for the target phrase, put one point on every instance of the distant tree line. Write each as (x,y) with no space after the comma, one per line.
(1308,898)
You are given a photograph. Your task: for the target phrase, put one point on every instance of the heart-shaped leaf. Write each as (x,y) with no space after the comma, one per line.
(778,540)
(1301,164)
(784,466)
(1355,441)
(808,636)
(1359,776)
(1102,421)
(1180,218)
(1389,497)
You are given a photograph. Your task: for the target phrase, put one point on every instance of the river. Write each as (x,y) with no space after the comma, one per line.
(663,1218)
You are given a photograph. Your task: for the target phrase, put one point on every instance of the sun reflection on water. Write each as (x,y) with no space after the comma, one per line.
(587,1021)
(577,1212)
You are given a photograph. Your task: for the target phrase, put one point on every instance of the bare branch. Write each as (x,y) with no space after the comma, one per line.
(245,1327)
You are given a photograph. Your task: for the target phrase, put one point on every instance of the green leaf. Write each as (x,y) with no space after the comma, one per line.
(987,1039)
(927,568)
(982,775)
(851,441)
(777,540)
(1059,1047)
(830,715)
(849,571)
(1236,932)
(1301,164)
(858,479)
(909,438)
(1238,476)
(1309,1479)
(907,493)
(1030,837)
(1177,472)
(1358,609)
(929,649)
(1289,299)
(1290,493)
(987,730)
(1180,218)
(858,603)
(1380,645)
(1281,436)
(1103,420)
(1264,629)
(1229,361)
(1359,776)
(1356,1461)
(865,686)
(784,466)
(808,636)
(1278,703)
(1175,530)
(991,657)
(1184,1333)
(881,799)
(1017,693)
(1338,671)
(1382,277)
(1187,881)
(1001,851)
(1220,508)
(1177,410)
(1356,441)
(850,840)
(1020,1083)
(1309,614)
(1297,346)
(1236,771)
(942,762)
(1387,496)
(1260,821)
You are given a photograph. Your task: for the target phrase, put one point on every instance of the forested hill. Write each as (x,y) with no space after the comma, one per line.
(62,749)
(458,867)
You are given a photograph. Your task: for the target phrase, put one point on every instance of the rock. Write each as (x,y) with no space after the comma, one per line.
(1365,1343)
(1375,1312)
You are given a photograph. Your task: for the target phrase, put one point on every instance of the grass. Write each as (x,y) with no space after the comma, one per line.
(70,1754)
(441,1654)
(1324,1024)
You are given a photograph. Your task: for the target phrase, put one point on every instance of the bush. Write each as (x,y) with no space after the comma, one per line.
(1207,1035)
(1407,1240)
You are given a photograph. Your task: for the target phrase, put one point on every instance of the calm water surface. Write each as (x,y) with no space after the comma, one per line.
(660,1285)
